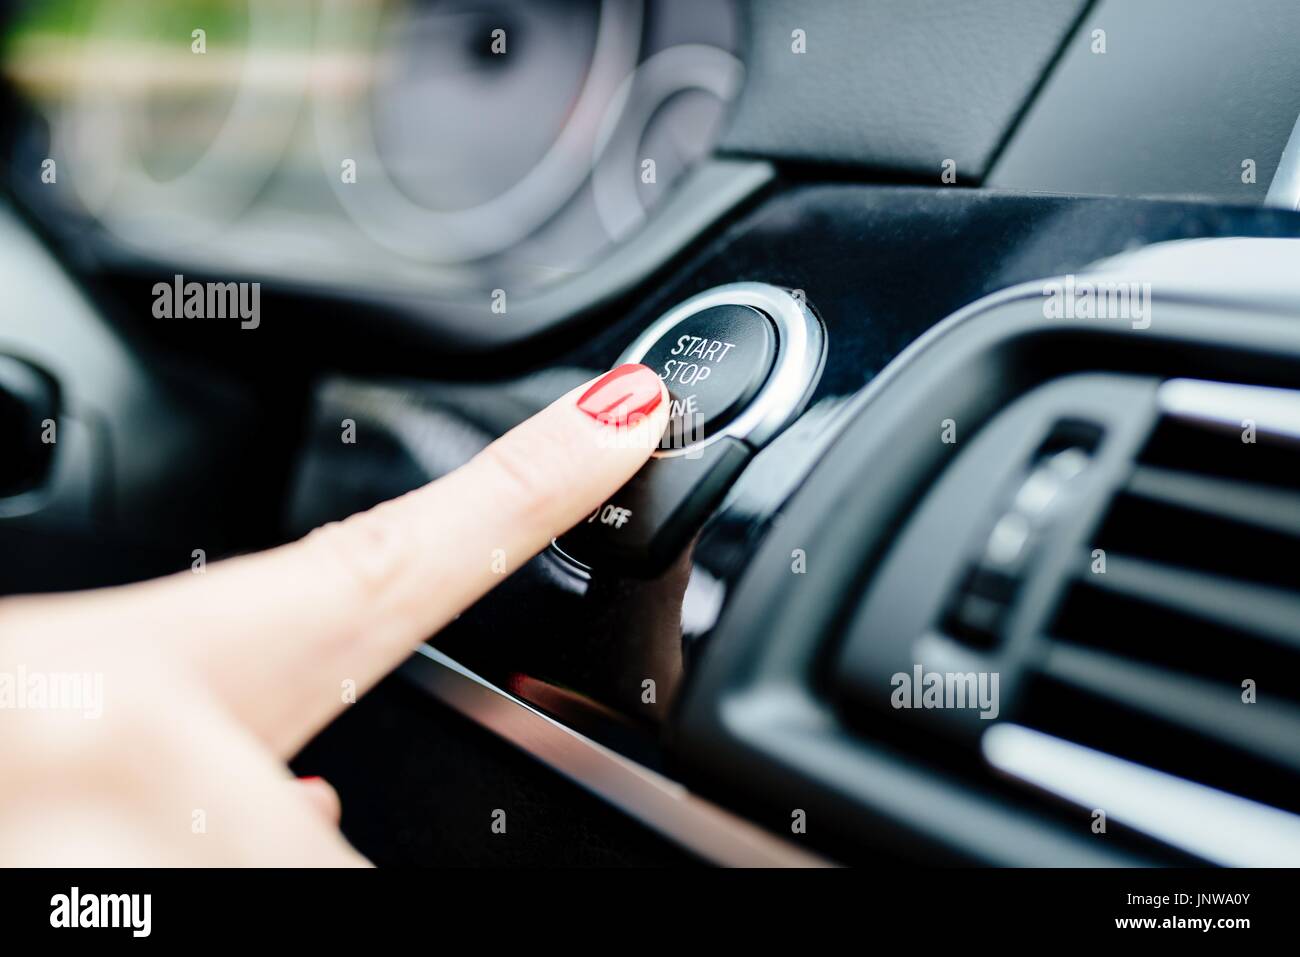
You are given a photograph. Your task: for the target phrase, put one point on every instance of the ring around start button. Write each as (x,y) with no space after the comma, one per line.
(713,362)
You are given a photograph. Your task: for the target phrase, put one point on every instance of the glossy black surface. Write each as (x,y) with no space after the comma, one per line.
(418,780)
(645,524)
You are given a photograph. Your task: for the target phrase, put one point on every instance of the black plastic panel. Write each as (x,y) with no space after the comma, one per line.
(900,622)
(1186,90)
(896,85)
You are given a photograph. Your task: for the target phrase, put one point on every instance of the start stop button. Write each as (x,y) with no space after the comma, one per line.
(713,362)
(740,362)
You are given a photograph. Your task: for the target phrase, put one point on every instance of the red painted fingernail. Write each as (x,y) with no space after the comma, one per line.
(621,394)
(311,777)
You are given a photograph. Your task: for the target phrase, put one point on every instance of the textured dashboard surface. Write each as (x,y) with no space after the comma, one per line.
(1185,93)
(897,85)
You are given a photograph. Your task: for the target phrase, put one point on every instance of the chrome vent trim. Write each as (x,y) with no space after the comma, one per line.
(1211,824)
(1275,412)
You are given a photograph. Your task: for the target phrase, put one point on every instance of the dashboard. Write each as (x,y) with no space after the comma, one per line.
(954,302)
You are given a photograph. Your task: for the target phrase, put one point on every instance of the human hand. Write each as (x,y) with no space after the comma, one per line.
(195,689)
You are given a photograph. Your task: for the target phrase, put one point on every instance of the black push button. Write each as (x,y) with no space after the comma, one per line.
(713,364)
(645,525)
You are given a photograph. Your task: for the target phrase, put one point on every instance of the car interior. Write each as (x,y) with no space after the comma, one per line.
(973,537)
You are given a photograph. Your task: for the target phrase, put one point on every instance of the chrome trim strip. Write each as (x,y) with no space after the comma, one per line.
(1214,825)
(800,353)
(659,802)
(1274,411)
(1284,190)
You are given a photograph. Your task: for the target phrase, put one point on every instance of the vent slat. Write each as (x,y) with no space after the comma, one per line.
(1265,729)
(1269,613)
(1211,543)
(1252,504)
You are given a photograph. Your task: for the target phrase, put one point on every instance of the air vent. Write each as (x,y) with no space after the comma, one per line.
(1122,554)
(1170,670)
(1117,690)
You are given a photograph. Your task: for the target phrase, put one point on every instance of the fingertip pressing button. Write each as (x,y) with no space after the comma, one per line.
(739,362)
(622,394)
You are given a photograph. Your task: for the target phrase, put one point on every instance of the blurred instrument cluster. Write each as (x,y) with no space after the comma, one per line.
(433,146)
